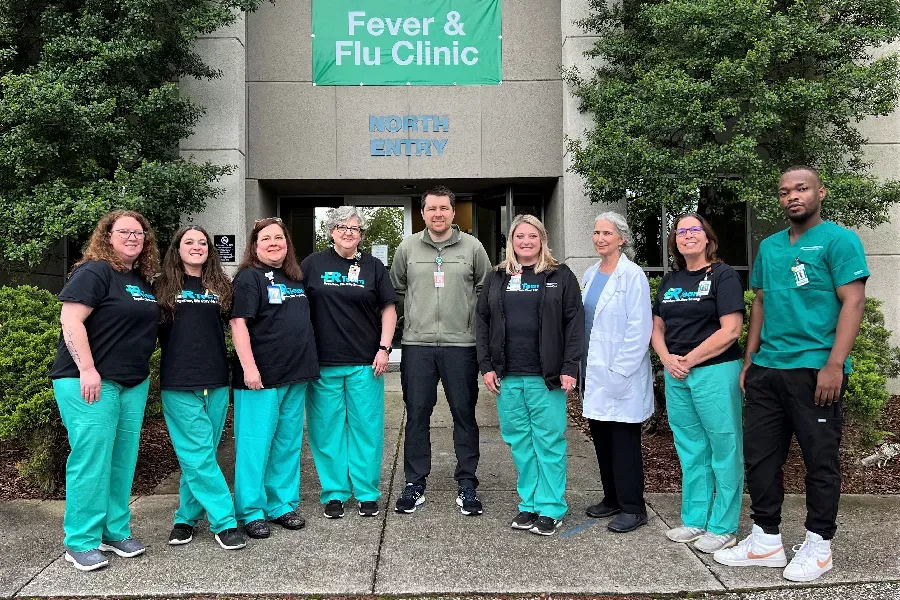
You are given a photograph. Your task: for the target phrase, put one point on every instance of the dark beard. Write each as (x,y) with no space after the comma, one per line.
(799,218)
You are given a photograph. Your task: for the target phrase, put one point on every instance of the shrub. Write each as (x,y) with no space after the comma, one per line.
(29,333)
(874,362)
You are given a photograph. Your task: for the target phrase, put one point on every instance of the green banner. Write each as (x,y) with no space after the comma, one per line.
(406,42)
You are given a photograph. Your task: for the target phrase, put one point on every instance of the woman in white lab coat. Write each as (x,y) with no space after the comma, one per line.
(618,384)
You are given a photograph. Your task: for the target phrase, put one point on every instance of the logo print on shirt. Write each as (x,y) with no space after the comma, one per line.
(336,278)
(140,295)
(189,297)
(288,292)
(680,295)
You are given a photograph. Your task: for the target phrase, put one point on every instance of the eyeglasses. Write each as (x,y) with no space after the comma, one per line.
(127,233)
(273,219)
(683,230)
(349,228)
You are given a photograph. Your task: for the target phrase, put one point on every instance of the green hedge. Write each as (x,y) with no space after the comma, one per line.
(874,362)
(29,334)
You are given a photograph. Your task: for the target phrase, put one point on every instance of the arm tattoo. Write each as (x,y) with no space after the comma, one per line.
(70,344)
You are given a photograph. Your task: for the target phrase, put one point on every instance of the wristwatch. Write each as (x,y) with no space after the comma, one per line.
(385,348)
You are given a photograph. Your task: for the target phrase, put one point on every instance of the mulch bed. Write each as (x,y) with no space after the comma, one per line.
(662,472)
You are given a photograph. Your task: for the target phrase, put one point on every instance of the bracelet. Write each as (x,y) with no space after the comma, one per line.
(385,348)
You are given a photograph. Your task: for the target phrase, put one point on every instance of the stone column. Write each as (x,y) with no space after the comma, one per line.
(220,135)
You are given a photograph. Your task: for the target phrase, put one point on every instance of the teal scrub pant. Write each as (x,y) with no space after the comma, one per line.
(104,437)
(196,419)
(268,431)
(533,424)
(705,416)
(345,422)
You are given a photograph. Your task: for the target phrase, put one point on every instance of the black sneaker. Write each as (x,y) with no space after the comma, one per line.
(257,529)
(231,539)
(601,511)
(368,508)
(546,526)
(468,501)
(334,509)
(524,520)
(290,520)
(412,496)
(181,534)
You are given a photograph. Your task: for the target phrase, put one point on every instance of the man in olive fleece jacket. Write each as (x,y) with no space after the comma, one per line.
(438,274)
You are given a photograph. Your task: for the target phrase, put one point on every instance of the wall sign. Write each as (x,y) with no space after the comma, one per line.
(225,246)
(405,145)
(406,42)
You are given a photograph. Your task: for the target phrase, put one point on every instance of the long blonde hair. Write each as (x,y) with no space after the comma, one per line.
(545,259)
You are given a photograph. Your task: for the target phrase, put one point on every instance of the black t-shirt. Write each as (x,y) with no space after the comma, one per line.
(521,306)
(121,329)
(691,316)
(346,314)
(281,335)
(193,344)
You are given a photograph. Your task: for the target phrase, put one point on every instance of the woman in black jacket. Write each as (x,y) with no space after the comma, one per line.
(530,337)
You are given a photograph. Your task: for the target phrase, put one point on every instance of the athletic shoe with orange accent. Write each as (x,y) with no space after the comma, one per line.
(813,559)
(759,549)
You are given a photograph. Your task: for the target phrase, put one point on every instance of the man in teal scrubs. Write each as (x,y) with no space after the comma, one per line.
(810,295)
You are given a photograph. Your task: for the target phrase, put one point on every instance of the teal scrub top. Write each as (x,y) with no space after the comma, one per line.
(801,306)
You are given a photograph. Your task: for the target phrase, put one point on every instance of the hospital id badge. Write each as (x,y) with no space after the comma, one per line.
(353,274)
(703,289)
(800,277)
(515,283)
(275,294)
(438,279)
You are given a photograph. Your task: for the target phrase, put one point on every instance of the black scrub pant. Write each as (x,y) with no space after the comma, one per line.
(780,403)
(457,369)
(618,447)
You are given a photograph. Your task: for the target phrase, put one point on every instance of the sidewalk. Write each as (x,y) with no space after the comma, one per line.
(435,550)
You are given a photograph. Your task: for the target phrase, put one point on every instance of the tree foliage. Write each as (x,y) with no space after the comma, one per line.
(384,226)
(704,102)
(91,118)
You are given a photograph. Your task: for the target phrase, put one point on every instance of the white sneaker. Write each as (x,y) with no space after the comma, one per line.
(713,542)
(813,559)
(759,549)
(685,534)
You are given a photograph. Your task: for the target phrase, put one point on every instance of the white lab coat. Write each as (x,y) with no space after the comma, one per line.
(618,381)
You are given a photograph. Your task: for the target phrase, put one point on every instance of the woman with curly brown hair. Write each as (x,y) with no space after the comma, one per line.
(194,295)
(276,360)
(100,380)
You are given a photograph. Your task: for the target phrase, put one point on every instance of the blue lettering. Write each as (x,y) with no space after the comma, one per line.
(376,148)
(376,124)
(441,123)
(439,146)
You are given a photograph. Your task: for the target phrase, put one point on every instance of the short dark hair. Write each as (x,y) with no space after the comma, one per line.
(812,170)
(439,190)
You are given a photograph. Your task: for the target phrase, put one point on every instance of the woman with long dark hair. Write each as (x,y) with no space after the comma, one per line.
(101,376)
(276,359)
(698,316)
(194,295)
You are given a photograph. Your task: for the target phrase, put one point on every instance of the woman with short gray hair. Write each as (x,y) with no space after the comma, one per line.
(352,303)
(618,386)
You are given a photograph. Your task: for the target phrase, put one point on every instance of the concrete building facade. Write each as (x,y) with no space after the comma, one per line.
(297,146)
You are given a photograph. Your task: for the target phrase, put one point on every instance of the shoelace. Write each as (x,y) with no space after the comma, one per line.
(410,492)
(805,549)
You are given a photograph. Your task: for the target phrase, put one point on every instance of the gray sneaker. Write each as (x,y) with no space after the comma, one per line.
(87,561)
(711,542)
(127,548)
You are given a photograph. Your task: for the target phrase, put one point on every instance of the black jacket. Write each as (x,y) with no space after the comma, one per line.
(561,337)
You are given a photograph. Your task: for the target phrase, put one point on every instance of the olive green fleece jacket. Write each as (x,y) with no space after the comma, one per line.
(439,316)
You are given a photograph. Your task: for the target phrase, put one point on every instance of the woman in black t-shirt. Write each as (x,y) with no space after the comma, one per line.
(529,330)
(276,360)
(194,294)
(698,315)
(101,379)
(353,314)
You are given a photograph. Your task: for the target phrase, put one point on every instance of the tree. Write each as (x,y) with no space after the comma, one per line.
(90,116)
(384,226)
(704,102)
